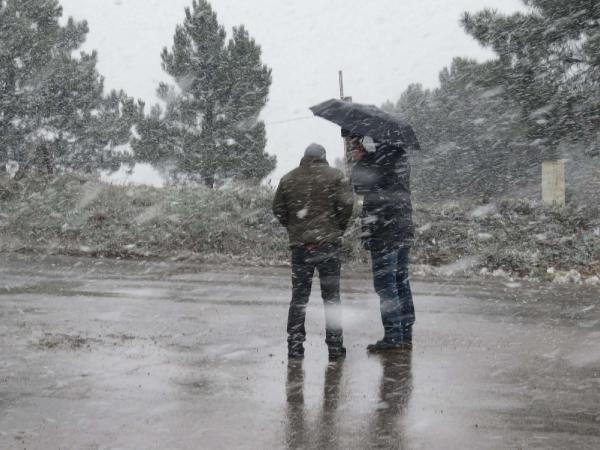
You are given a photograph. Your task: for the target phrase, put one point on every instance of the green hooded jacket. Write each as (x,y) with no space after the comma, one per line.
(314,203)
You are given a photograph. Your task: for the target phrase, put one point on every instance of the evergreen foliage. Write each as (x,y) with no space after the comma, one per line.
(548,62)
(208,129)
(53,113)
(468,132)
(488,126)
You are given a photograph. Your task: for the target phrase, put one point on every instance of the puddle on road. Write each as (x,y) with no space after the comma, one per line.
(64,341)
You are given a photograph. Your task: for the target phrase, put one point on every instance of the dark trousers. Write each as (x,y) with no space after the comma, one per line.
(392,284)
(326,259)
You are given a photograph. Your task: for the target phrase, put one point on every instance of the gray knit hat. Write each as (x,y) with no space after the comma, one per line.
(315,150)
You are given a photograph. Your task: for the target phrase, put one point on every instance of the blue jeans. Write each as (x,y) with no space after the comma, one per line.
(392,284)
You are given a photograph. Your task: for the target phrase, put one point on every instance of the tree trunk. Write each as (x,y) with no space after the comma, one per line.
(45,158)
(209,181)
(21,171)
(207,131)
(3,150)
(25,159)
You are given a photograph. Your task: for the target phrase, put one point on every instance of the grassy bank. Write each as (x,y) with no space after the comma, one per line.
(75,215)
(513,238)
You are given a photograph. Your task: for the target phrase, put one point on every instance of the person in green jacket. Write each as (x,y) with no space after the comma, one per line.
(314,203)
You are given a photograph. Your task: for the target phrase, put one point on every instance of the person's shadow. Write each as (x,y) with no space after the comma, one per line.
(296,432)
(395,390)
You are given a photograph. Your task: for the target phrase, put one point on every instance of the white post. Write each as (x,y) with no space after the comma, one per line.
(553,183)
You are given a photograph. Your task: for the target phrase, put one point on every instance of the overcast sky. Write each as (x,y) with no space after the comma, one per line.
(381,45)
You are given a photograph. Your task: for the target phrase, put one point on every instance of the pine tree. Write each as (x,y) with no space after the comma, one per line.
(548,61)
(209,128)
(49,98)
(104,134)
(415,107)
(249,82)
(29,36)
(468,132)
(159,142)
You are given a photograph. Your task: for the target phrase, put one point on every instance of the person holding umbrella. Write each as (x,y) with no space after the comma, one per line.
(381,174)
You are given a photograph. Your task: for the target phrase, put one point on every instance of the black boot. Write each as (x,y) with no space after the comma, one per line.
(387,346)
(402,342)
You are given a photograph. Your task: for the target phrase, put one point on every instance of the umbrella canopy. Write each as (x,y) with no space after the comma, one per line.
(367,120)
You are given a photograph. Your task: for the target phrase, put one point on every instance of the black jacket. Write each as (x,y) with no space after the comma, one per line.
(383,178)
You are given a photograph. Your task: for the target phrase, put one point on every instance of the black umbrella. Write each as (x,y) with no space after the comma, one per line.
(367,120)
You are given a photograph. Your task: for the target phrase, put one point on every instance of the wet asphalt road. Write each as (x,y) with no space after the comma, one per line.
(102,354)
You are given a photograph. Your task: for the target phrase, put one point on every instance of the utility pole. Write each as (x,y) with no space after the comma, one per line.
(342,97)
(346,99)
(358,200)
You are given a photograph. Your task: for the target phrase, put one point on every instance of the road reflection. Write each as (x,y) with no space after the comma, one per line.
(328,432)
(384,428)
(295,423)
(395,389)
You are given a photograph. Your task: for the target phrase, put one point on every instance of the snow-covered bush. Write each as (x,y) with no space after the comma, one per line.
(69,214)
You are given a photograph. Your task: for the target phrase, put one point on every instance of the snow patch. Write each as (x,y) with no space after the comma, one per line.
(89,194)
(424,228)
(463,265)
(150,213)
(572,276)
(483,211)
(500,273)
(484,236)
(492,92)
(542,111)
(593,281)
